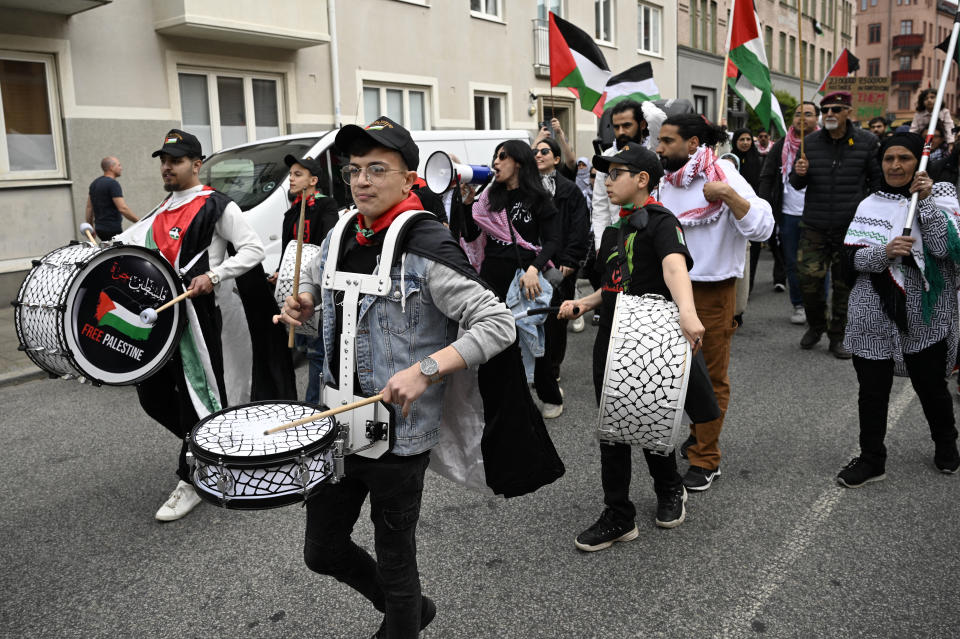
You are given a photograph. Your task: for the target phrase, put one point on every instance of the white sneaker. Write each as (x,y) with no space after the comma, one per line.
(551,411)
(182,500)
(799,315)
(577,325)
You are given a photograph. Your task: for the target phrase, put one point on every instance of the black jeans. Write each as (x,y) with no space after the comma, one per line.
(392,582)
(555,330)
(926,370)
(165,398)
(615,459)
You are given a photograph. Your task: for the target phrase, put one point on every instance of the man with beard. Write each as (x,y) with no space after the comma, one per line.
(632,122)
(763,142)
(786,201)
(719,213)
(839,170)
(878,126)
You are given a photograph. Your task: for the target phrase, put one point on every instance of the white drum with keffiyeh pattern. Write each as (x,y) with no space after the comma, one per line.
(285,281)
(236,466)
(646,375)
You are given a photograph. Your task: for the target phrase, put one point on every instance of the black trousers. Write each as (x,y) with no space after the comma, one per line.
(926,370)
(555,330)
(392,581)
(165,398)
(616,459)
(776,249)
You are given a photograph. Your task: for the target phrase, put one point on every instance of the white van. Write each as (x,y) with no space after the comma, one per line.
(256,178)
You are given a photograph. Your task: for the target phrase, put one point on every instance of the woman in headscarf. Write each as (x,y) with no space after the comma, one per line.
(902,317)
(749,166)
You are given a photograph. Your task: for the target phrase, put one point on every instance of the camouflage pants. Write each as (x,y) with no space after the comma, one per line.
(821,251)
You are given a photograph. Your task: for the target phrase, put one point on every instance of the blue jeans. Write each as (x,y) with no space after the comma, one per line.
(790,235)
(313,347)
(392,581)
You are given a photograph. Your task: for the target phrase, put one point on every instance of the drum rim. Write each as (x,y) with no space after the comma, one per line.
(173,341)
(241,461)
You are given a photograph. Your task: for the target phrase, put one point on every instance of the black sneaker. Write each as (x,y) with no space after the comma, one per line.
(838,350)
(671,509)
(690,441)
(428,610)
(947,459)
(859,472)
(605,532)
(810,339)
(699,479)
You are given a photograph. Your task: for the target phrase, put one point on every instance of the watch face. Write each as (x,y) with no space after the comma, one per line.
(429,366)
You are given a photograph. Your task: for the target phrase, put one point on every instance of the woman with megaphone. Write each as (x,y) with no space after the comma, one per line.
(511,234)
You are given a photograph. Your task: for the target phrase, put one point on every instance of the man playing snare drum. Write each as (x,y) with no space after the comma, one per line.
(413,344)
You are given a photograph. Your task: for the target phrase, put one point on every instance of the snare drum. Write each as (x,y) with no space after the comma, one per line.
(285,281)
(646,375)
(78,313)
(234,465)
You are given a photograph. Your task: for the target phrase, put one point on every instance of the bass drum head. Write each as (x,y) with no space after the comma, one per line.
(103,329)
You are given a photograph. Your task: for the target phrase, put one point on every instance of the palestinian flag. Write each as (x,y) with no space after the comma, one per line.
(945,47)
(816,26)
(752,83)
(577,63)
(846,63)
(636,83)
(110,313)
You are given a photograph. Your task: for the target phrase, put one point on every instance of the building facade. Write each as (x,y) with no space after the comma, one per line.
(83,79)
(896,39)
(702,27)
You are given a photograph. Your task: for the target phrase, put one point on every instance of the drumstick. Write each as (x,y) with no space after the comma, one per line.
(543,310)
(326,413)
(86,228)
(149,315)
(296,266)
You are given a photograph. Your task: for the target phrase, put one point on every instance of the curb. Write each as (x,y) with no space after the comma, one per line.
(21,375)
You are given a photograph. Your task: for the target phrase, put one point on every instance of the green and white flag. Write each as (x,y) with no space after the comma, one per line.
(747,54)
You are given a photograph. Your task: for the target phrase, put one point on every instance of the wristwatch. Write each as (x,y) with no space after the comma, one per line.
(430,368)
(214,278)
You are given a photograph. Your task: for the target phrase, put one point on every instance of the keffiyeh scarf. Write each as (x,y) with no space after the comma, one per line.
(703,162)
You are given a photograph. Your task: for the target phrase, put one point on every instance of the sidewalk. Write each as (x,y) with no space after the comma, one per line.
(15,366)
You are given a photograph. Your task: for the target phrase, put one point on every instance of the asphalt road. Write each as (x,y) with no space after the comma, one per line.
(774,549)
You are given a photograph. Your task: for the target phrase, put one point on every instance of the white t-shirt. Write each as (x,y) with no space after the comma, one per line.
(793,199)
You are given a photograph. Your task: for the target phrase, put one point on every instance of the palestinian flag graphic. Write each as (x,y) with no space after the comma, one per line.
(577,63)
(846,63)
(636,83)
(112,314)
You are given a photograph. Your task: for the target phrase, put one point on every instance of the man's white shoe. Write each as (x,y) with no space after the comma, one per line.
(799,315)
(577,325)
(551,411)
(182,500)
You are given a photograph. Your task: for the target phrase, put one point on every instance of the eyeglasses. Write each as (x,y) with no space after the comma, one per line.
(375,173)
(834,109)
(544,151)
(615,173)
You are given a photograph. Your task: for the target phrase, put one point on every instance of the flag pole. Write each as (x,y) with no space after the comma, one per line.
(721,108)
(803,46)
(934,118)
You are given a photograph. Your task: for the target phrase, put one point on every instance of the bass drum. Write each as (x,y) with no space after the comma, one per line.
(285,281)
(646,375)
(77,313)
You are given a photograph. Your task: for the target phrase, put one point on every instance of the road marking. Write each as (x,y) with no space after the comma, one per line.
(772,575)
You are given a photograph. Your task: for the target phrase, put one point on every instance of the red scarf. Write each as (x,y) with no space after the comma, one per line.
(625,212)
(311,200)
(365,235)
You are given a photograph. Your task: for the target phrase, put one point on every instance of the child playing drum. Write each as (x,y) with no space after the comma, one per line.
(642,252)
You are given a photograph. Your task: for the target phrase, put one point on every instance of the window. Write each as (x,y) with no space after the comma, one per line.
(545,6)
(224,109)
(812,62)
(713,27)
(649,20)
(905,61)
(407,106)
(863,5)
(604,17)
(906,27)
(793,55)
(873,33)
(31,146)
(903,100)
(768,43)
(486,8)
(783,52)
(487,111)
(823,63)
(700,104)
(873,67)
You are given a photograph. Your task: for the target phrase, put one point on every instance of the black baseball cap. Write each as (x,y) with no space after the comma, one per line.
(308,163)
(383,132)
(635,156)
(179,143)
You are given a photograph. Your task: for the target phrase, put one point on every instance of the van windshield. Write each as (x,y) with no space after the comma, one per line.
(249,174)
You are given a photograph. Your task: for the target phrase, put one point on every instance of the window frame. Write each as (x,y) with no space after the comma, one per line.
(56,128)
(486,96)
(658,51)
(612,42)
(483,14)
(406,88)
(213,100)
(875,28)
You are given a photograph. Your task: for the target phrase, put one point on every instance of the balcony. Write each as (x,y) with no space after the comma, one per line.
(908,41)
(244,22)
(541,48)
(907,76)
(63,7)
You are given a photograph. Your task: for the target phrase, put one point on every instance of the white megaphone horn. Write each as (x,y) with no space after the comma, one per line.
(440,171)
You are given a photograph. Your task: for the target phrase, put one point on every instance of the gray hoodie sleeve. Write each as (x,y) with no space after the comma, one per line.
(310,282)
(488,326)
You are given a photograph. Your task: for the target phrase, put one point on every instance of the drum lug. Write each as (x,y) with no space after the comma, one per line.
(377,431)
(303,477)
(224,482)
(339,445)
(36,262)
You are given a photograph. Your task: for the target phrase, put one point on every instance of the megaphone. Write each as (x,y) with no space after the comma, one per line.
(440,171)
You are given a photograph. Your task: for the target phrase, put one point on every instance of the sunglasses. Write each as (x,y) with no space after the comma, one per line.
(834,109)
(502,155)
(544,151)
